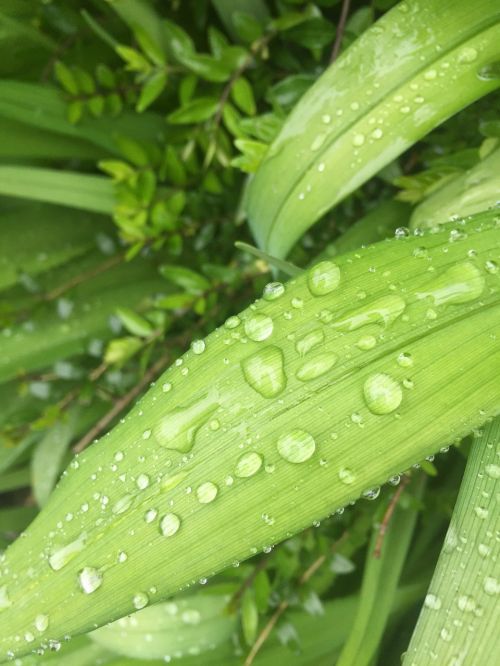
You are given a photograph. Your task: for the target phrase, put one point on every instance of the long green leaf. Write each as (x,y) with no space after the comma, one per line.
(459,621)
(471,192)
(389,89)
(348,375)
(76,190)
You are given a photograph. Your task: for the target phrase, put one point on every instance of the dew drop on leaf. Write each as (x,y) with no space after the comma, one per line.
(90,579)
(170,524)
(309,341)
(316,366)
(432,601)
(206,492)
(346,476)
(142,481)
(383,394)
(259,327)
(323,278)
(198,346)
(273,290)
(41,622)
(5,601)
(248,464)
(264,371)
(297,446)
(140,600)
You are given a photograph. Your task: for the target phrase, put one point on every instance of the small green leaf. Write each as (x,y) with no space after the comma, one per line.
(66,77)
(134,323)
(253,154)
(192,282)
(249,616)
(136,62)
(75,111)
(246,26)
(149,46)
(151,90)
(242,94)
(105,76)
(121,349)
(197,111)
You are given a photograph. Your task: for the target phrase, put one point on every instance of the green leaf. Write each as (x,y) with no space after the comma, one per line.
(77,190)
(190,280)
(136,62)
(134,323)
(437,328)
(121,349)
(151,90)
(460,614)
(249,617)
(368,108)
(196,111)
(253,154)
(242,94)
(66,78)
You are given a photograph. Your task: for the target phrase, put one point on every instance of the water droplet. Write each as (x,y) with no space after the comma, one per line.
(296,446)
(206,492)
(177,429)
(321,167)
(122,557)
(493,471)
(140,600)
(466,604)
(467,55)
(90,579)
(41,622)
(122,505)
(432,601)
(491,266)
(119,456)
(5,601)
(371,493)
(346,476)
(326,118)
(484,550)
(446,635)
(491,586)
(323,278)
(461,283)
(170,524)
(383,311)
(377,133)
(405,360)
(150,515)
(394,480)
(383,394)
(264,371)
(481,512)
(366,342)
(310,340)
(248,464)
(259,327)
(297,303)
(142,481)
(358,139)
(319,140)
(29,637)
(316,366)
(167,386)
(273,290)
(232,322)
(61,556)
(198,346)
(430,75)
(401,232)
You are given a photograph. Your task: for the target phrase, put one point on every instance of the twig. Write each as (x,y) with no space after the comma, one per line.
(384,525)
(261,565)
(306,576)
(82,277)
(123,402)
(340,30)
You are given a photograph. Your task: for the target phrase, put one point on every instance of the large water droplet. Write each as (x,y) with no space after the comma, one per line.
(177,429)
(248,464)
(467,55)
(264,371)
(491,586)
(346,476)
(170,524)
(259,327)
(323,278)
(310,340)
(383,311)
(273,290)
(316,366)
(61,556)
(383,394)
(459,284)
(296,446)
(206,492)
(90,579)
(140,600)
(198,346)
(142,481)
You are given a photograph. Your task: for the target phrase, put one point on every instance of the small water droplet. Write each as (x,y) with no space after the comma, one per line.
(5,601)
(323,278)
(319,140)
(377,133)
(170,524)
(264,371)
(366,342)
(273,290)
(432,601)
(150,515)
(41,622)
(61,556)
(140,600)
(467,55)
(248,464)
(177,429)
(371,493)
(326,118)
(466,603)
(232,322)
(198,346)
(405,360)
(259,327)
(430,74)
(493,471)
(90,579)
(491,266)
(346,476)
(296,446)
(122,505)
(491,586)
(309,341)
(167,386)
(481,512)
(206,492)
(142,481)
(358,139)
(119,456)
(383,394)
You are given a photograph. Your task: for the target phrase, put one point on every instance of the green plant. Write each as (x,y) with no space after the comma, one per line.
(274,496)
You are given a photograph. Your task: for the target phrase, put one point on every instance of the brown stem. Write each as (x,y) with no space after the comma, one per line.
(384,525)
(82,277)
(340,30)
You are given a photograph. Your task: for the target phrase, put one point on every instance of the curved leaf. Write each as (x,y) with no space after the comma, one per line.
(381,96)
(326,387)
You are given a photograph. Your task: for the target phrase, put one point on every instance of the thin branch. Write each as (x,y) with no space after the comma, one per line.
(306,576)
(123,402)
(82,277)
(384,525)
(340,30)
